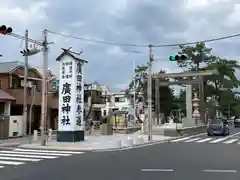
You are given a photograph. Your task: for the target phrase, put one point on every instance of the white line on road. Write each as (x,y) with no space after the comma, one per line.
(220,171)
(222,139)
(34,153)
(204,140)
(157,170)
(181,139)
(11,162)
(19,159)
(195,139)
(230,141)
(1,167)
(218,140)
(28,156)
(46,151)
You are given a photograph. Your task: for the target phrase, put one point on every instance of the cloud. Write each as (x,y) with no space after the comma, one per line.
(116,51)
(134,22)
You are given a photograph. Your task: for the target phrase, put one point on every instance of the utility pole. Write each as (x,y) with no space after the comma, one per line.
(149,92)
(229,111)
(157,99)
(33,94)
(25,97)
(134,93)
(44,87)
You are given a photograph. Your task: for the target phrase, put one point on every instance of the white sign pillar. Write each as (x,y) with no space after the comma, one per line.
(71,125)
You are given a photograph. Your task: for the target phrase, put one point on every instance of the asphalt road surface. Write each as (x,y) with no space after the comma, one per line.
(232,138)
(168,161)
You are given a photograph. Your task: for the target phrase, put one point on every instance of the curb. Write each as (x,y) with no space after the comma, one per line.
(145,144)
(9,144)
(70,148)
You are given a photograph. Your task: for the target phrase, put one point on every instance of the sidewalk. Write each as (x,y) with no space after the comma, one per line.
(93,143)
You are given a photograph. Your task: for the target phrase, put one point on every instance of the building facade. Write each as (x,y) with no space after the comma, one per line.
(12,85)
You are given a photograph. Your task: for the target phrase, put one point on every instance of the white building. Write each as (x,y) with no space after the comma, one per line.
(116,101)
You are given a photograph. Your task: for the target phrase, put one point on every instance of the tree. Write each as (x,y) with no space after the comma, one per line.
(197,56)
(141,79)
(199,59)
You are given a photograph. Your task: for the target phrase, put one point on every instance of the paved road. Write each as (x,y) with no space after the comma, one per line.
(168,161)
(233,138)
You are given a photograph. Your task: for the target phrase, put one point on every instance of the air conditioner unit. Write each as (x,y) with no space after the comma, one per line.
(29,83)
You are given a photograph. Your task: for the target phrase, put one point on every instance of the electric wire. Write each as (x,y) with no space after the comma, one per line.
(144,45)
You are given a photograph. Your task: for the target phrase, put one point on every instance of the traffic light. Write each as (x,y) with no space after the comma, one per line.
(179,57)
(54,84)
(30,52)
(5,30)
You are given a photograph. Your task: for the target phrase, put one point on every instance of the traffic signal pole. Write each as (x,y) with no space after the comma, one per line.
(25,103)
(149,92)
(44,88)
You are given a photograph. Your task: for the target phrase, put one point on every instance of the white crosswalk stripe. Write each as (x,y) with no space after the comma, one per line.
(18,156)
(204,140)
(218,140)
(192,140)
(230,141)
(46,151)
(181,139)
(211,140)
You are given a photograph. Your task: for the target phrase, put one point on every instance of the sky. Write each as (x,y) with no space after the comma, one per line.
(122,21)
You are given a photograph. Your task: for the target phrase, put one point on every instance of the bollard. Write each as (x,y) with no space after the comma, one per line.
(49,134)
(127,142)
(35,136)
(117,144)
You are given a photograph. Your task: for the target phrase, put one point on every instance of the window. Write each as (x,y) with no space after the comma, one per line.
(104,113)
(0,84)
(119,99)
(15,83)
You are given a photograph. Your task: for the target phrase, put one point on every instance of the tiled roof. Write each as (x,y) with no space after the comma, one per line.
(6,67)
(6,96)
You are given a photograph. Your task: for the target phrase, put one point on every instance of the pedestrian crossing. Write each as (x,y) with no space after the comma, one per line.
(19,156)
(210,140)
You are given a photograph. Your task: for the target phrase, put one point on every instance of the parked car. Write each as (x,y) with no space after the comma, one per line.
(217,126)
(236,122)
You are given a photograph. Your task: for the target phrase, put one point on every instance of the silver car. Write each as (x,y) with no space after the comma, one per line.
(217,126)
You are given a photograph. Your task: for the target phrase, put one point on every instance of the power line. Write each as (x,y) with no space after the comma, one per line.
(143,45)
(97,41)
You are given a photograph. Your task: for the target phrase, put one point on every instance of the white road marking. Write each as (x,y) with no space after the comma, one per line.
(220,171)
(34,153)
(230,141)
(46,151)
(195,139)
(204,140)
(11,162)
(19,159)
(181,139)
(28,156)
(218,140)
(1,167)
(157,170)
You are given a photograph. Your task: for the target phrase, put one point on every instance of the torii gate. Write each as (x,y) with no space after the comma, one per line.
(189,81)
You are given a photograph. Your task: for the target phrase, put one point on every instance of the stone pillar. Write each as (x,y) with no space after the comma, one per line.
(71,125)
(196,115)
(189,102)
